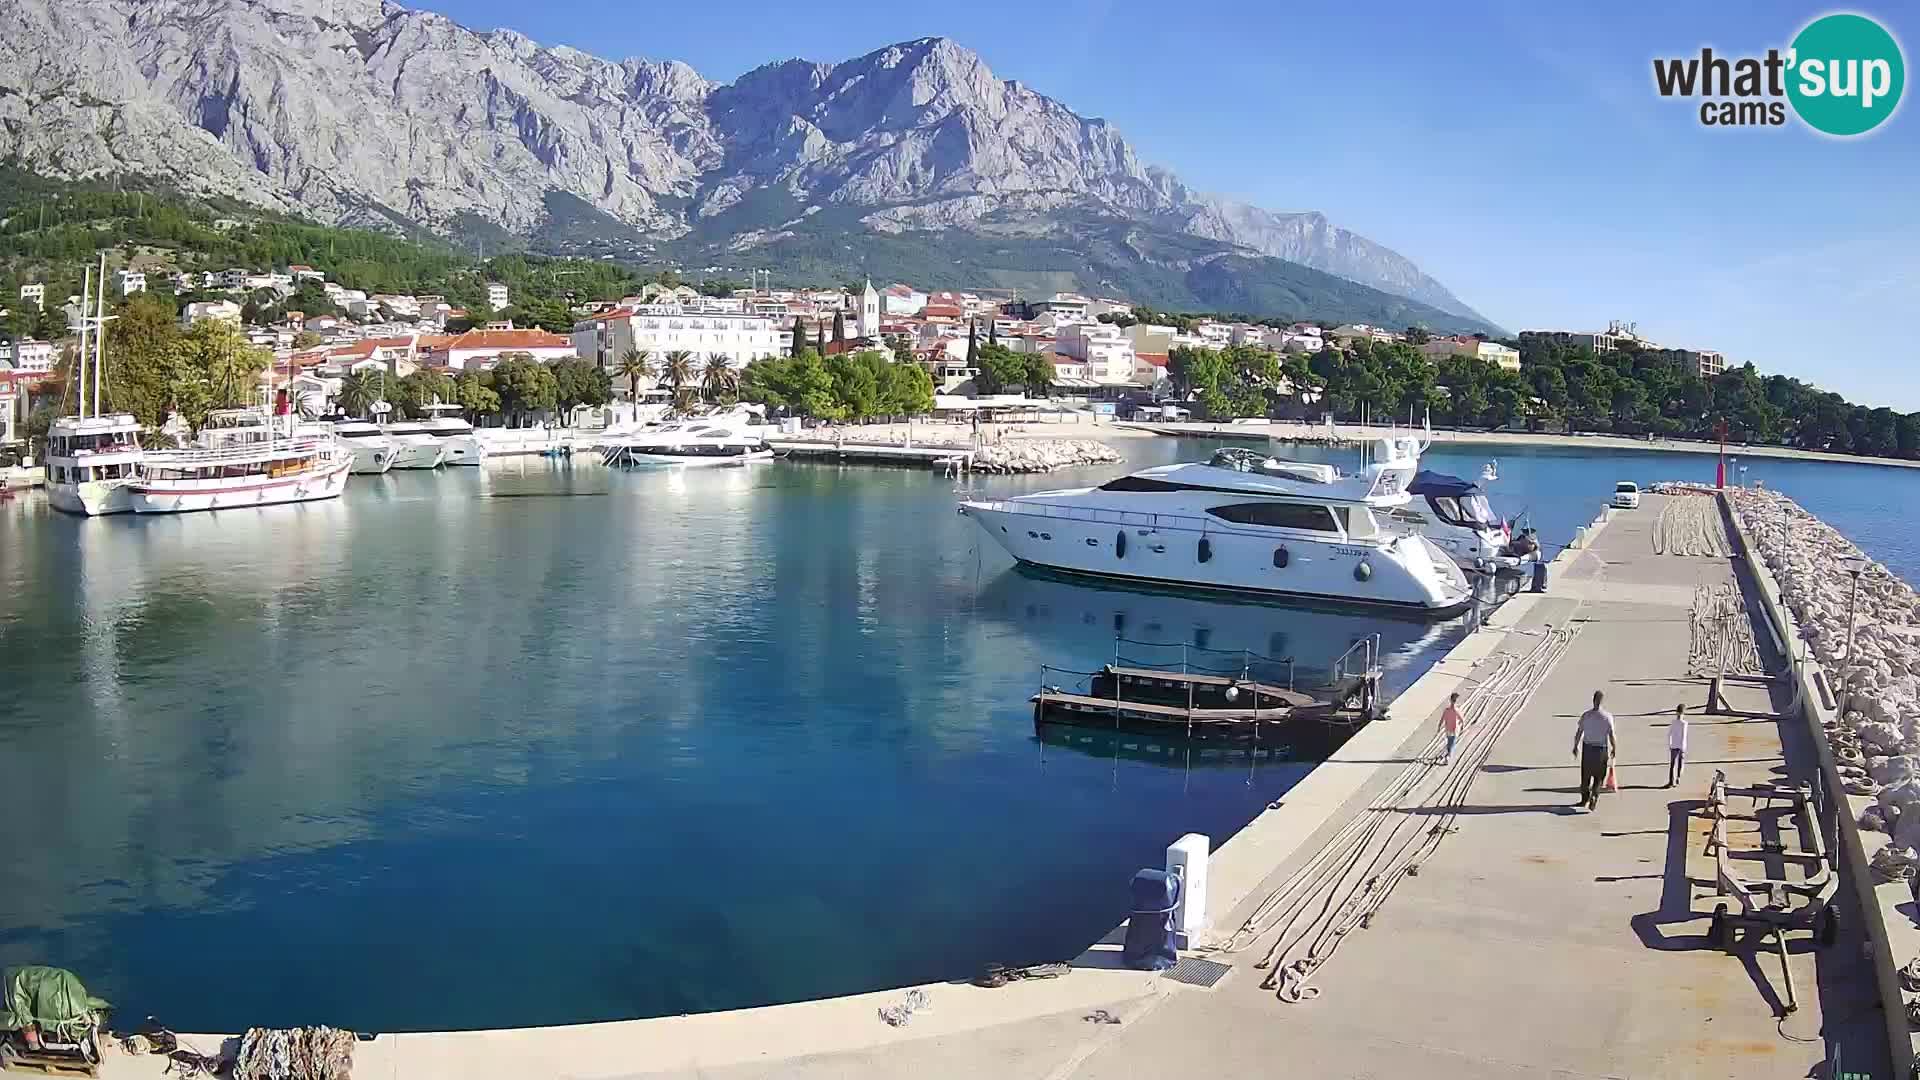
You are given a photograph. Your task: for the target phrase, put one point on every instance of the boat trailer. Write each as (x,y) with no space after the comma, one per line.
(1772,906)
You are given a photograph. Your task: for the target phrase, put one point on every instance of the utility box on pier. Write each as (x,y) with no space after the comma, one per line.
(1187,859)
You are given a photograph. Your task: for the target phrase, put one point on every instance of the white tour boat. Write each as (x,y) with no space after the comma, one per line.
(732,438)
(92,459)
(240,458)
(373,451)
(91,463)
(445,425)
(1242,522)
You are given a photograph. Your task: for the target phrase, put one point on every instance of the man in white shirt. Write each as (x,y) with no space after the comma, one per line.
(1676,745)
(1594,745)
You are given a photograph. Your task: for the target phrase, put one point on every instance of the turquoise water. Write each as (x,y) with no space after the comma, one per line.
(540,744)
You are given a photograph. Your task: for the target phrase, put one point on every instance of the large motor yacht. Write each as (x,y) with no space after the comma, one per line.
(1244,522)
(445,425)
(91,463)
(373,452)
(731,438)
(241,458)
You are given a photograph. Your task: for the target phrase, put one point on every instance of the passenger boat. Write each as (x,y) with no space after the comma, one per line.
(733,438)
(1243,522)
(92,462)
(92,459)
(373,452)
(241,459)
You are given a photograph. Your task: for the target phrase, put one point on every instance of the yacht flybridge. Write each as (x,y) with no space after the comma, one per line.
(1245,522)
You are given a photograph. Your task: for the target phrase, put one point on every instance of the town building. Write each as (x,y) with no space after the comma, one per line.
(902,300)
(867,322)
(1105,351)
(223,310)
(1352,332)
(1500,356)
(700,329)
(31,357)
(233,278)
(35,294)
(305,273)
(1706,363)
(13,408)
(496,295)
(132,281)
(1148,338)
(478,348)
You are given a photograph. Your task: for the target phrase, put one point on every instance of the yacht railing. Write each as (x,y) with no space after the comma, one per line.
(1188,523)
(251,452)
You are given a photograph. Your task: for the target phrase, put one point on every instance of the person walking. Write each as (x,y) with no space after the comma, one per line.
(1676,745)
(1594,746)
(1450,725)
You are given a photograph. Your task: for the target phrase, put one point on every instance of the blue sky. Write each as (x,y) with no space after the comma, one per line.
(1517,152)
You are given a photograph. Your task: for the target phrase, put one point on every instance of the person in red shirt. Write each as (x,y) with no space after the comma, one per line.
(1450,725)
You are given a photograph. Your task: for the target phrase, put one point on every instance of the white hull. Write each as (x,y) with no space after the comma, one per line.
(371,456)
(92,499)
(226,494)
(1405,572)
(417,452)
(463,450)
(694,461)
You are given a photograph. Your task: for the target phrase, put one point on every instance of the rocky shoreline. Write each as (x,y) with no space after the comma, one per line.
(1876,741)
(1043,455)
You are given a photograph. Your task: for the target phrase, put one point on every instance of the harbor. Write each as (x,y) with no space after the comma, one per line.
(1558,931)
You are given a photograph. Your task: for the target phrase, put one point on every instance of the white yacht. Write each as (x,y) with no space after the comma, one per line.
(732,438)
(1242,522)
(444,424)
(241,458)
(91,463)
(373,451)
(1459,518)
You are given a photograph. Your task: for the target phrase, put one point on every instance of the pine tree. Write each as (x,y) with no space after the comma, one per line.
(799,336)
(839,326)
(973,344)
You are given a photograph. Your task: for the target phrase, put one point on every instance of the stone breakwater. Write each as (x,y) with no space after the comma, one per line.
(1876,740)
(1043,455)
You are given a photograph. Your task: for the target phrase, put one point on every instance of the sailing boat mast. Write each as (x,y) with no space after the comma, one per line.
(80,375)
(100,334)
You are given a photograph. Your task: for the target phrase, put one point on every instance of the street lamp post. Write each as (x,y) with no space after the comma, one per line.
(1854,566)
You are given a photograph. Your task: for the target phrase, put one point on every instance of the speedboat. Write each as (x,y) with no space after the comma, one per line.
(728,439)
(444,425)
(1243,522)
(373,451)
(92,462)
(241,458)
(1459,519)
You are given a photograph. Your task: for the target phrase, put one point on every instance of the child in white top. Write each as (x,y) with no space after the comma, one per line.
(1676,744)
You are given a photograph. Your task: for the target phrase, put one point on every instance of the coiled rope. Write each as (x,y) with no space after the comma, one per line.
(1349,878)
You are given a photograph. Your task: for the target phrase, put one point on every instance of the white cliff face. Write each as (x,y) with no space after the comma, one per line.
(351,110)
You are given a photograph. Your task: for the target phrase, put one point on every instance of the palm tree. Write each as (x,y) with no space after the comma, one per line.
(357,393)
(676,370)
(718,378)
(635,364)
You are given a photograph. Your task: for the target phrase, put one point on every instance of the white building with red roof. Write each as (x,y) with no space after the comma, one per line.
(476,348)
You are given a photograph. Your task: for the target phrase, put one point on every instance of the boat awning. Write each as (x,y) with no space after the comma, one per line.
(1428,482)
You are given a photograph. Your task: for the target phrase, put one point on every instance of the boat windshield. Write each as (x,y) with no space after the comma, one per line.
(1240,459)
(1470,510)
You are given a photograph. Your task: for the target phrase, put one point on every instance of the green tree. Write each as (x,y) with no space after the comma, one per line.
(524,386)
(676,371)
(635,364)
(839,326)
(908,390)
(718,379)
(357,393)
(306,339)
(799,336)
(580,382)
(474,391)
(421,388)
(856,385)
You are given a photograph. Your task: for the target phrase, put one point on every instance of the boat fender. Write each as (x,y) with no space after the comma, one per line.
(1280,558)
(1206,549)
(1120,544)
(1363,571)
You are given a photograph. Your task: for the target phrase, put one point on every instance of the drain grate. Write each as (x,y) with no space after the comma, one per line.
(1197,972)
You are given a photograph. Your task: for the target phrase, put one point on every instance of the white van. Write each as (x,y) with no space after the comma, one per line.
(1626,495)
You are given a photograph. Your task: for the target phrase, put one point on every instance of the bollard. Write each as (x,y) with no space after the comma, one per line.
(1539,576)
(1716,704)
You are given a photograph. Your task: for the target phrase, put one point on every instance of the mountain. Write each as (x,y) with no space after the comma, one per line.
(366,113)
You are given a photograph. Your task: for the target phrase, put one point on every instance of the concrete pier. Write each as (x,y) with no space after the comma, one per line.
(1535,940)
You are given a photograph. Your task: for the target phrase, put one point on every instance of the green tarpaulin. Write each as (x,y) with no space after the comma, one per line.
(49,998)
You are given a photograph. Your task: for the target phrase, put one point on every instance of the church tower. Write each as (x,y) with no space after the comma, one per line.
(868,325)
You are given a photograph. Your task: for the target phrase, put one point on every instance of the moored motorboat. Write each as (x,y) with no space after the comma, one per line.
(373,452)
(1462,522)
(1243,522)
(734,438)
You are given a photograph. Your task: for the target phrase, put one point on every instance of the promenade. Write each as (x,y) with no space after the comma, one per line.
(1535,939)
